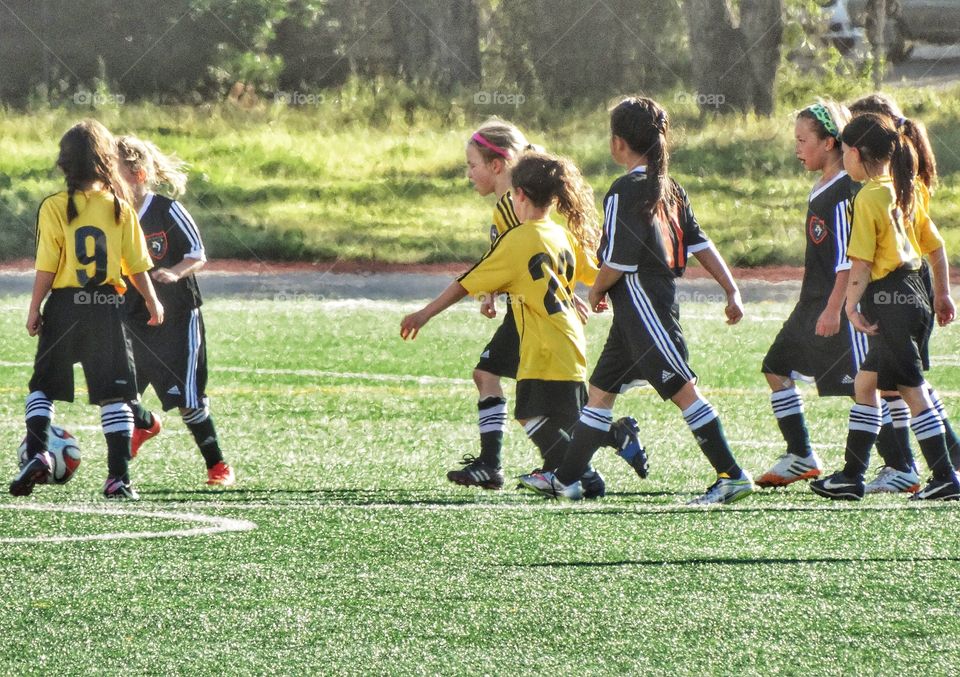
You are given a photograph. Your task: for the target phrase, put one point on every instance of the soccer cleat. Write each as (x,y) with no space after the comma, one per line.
(116,489)
(546,484)
(839,487)
(141,435)
(892,481)
(593,484)
(725,490)
(476,473)
(35,471)
(939,490)
(630,449)
(221,475)
(791,468)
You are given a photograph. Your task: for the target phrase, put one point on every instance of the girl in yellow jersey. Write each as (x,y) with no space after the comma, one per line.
(898,472)
(538,264)
(886,300)
(88,238)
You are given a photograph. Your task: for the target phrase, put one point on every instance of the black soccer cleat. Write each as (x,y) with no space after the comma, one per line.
(626,433)
(476,473)
(35,471)
(593,484)
(839,487)
(116,489)
(939,490)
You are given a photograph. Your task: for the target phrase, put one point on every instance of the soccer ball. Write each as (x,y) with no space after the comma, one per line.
(64,452)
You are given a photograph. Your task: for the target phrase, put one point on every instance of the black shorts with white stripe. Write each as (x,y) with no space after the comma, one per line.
(831,361)
(558,400)
(501,356)
(172,358)
(645,344)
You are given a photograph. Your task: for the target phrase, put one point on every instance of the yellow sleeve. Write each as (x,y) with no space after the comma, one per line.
(493,273)
(863,231)
(927,233)
(134,255)
(587,268)
(49,237)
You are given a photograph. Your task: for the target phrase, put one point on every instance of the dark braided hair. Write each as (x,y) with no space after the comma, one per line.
(88,153)
(877,140)
(642,123)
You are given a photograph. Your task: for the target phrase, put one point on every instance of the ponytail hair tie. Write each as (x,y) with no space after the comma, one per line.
(901,121)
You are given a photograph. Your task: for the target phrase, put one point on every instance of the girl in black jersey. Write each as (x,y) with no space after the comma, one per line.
(172,358)
(817,341)
(649,229)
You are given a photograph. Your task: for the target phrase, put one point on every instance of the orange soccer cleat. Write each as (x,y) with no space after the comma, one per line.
(141,435)
(221,475)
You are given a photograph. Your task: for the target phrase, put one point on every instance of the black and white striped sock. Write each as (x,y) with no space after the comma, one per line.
(38,415)
(788,409)
(863,426)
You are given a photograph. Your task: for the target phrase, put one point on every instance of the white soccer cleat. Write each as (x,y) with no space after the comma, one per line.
(892,481)
(546,484)
(791,468)
(726,490)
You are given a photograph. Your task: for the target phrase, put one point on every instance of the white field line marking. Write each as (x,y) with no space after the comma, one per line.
(537,504)
(215,525)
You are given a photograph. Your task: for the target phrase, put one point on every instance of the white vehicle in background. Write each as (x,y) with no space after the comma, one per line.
(933,21)
(842,33)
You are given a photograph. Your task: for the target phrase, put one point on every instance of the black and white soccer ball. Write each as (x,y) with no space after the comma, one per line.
(64,451)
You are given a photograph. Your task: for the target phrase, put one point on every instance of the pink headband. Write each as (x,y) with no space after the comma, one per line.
(496,149)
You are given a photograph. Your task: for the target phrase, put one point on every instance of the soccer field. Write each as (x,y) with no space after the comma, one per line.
(344,551)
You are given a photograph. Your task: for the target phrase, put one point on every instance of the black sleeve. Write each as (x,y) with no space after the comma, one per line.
(624,232)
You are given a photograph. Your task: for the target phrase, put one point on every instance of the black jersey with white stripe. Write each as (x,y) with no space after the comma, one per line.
(828,233)
(171,236)
(634,243)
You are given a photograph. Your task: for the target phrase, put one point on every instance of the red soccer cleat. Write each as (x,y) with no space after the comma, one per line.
(141,435)
(221,475)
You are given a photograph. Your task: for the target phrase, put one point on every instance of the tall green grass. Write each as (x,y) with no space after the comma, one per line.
(369,175)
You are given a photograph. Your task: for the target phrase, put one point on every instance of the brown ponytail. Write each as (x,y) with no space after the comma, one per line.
(88,153)
(544,178)
(642,123)
(877,141)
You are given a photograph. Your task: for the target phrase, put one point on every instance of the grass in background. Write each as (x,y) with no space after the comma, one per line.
(366,561)
(363,177)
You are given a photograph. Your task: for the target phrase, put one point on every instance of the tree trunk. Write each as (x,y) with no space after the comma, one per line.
(735,66)
(876,30)
(438,40)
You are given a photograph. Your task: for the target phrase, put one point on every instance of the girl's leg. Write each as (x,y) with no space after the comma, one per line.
(953,442)
(204,433)
(787,407)
(589,434)
(116,418)
(893,442)
(39,416)
(863,425)
(704,423)
(929,430)
(492,410)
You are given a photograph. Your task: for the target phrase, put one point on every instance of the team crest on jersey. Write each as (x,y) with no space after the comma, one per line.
(157,244)
(817,229)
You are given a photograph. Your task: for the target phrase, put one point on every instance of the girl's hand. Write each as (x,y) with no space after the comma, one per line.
(34,322)
(861,324)
(156,313)
(164,276)
(597,301)
(410,325)
(828,324)
(734,309)
(488,306)
(583,310)
(944,308)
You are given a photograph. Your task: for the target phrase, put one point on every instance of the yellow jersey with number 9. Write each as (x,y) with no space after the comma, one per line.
(879,232)
(94,249)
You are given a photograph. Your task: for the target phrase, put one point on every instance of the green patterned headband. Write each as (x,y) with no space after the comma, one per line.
(820,112)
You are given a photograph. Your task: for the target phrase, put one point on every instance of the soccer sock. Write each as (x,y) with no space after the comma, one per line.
(550,438)
(788,408)
(588,435)
(929,430)
(493,423)
(704,423)
(953,442)
(863,426)
(117,422)
(204,433)
(142,417)
(38,415)
(893,442)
